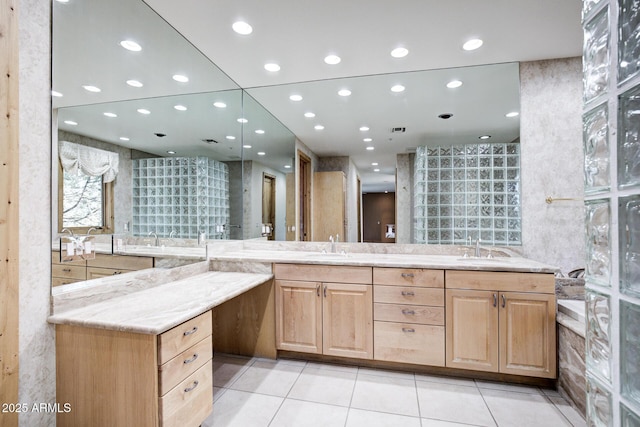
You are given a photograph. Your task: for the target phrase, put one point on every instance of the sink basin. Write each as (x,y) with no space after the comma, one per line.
(475,259)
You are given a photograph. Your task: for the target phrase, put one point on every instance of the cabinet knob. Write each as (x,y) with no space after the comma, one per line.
(192,331)
(191,360)
(188,389)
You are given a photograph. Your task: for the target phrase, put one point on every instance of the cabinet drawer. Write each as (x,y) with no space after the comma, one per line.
(408,277)
(121,262)
(323,273)
(190,402)
(96,273)
(66,271)
(421,314)
(55,259)
(184,364)
(501,281)
(59,281)
(408,295)
(183,336)
(409,343)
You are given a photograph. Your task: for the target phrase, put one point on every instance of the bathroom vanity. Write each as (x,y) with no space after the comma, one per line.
(139,346)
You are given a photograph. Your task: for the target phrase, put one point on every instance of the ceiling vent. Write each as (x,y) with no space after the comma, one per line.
(398,130)
(210,141)
(411,149)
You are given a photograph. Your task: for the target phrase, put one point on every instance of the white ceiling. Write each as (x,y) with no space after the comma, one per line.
(298,35)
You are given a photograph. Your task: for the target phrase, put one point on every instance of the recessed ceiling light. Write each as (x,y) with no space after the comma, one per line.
(386,192)
(472,44)
(143,111)
(134,83)
(260,131)
(370,148)
(63,1)
(180,107)
(56,94)
(124,138)
(485,137)
(344,92)
(91,88)
(71,123)
(246,146)
(332,59)
(513,114)
(364,128)
(454,84)
(287,166)
(219,104)
(230,137)
(296,97)
(108,114)
(397,88)
(180,78)
(624,64)
(272,66)
(399,52)
(309,115)
(171,152)
(367,140)
(376,170)
(318,127)
(374,164)
(131,45)
(261,153)
(242,120)
(242,28)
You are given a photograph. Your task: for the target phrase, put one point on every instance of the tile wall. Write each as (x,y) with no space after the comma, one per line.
(611,118)
(180,197)
(468,191)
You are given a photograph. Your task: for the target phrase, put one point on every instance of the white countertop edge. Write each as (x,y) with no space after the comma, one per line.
(170,313)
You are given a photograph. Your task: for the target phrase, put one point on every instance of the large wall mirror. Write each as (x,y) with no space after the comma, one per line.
(192,148)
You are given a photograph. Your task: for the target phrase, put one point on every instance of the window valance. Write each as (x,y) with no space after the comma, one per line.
(88,160)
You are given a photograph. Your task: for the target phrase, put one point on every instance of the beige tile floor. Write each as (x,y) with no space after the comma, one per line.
(260,393)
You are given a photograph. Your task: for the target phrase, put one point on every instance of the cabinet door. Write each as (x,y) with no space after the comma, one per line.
(472,330)
(348,320)
(298,316)
(528,334)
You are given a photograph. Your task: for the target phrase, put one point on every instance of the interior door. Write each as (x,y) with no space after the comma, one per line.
(269,203)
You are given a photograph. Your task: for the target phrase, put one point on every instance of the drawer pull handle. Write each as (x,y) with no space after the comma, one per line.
(495,300)
(407,274)
(318,290)
(408,330)
(405,311)
(188,389)
(504,300)
(192,359)
(408,294)
(66,270)
(193,331)
(117,272)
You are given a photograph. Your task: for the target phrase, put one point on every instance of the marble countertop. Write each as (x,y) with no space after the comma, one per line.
(160,308)
(447,262)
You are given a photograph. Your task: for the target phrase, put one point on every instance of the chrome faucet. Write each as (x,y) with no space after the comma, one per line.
(90,230)
(66,230)
(173,232)
(477,254)
(153,233)
(332,244)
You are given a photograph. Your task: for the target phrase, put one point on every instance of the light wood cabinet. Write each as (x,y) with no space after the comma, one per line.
(409,315)
(103,265)
(501,329)
(329,199)
(324,316)
(116,378)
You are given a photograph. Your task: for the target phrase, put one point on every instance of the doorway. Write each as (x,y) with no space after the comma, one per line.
(379,217)
(304,169)
(269,203)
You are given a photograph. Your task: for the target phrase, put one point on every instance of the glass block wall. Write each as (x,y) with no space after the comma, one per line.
(180,197)
(611,136)
(468,191)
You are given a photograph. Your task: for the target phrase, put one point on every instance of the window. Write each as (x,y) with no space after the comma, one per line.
(85,188)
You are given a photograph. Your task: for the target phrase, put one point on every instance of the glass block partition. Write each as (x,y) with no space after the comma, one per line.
(468,191)
(180,197)
(611,136)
